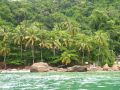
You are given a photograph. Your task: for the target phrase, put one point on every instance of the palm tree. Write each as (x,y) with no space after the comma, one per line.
(43,37)
(54,41)
(71,26)
(101,40)
(4,33)
(64,38)
(43,41)
(31,38)
(19,37)
(4,51)
(83,43)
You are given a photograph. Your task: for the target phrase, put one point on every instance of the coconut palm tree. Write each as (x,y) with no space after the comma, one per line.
(43,37)
(4,51)
(31,38)
(4,33)
(64,38)
(72,27)
(54,41)
(19,37)
(101,40)
(83,43)
(43,41)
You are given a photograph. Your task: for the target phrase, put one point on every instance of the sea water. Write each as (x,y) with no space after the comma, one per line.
(60,81)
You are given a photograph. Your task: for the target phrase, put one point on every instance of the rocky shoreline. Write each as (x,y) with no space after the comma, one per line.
(44,67)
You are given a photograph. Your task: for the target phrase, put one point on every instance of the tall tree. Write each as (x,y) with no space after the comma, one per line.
(54,41)
(83,43)
(101,39)
(19,37)
(31,38)
(4,51)
(43,41)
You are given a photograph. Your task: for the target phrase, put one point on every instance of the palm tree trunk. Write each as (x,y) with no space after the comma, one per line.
(33,56)
(54,51)
(83,57)
(24,58)
(21,52)
(41,55)
(5,66)
(98,57)
(88,56)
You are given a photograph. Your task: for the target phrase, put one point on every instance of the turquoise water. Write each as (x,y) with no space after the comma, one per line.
(60,81)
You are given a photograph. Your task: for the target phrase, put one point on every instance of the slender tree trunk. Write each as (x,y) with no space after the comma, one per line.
(21,52)
(5,66)
(83,57)
(24,58)
(41,55)
(88,56)
(33,56)
(98,57)
(54,51)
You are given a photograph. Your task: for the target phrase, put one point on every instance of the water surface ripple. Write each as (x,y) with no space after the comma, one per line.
(60,81)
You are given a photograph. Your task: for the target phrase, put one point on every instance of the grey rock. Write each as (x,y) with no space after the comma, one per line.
(77,68)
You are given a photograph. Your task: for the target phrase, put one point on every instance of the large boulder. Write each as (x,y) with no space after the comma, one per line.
(77,68)
(40,67)
(106,67)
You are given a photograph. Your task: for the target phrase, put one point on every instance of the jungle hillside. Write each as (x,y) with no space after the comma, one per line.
(59,32)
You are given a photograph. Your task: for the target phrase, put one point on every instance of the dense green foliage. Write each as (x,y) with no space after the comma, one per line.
(59,31)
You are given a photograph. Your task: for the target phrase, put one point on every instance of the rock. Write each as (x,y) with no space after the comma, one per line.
(94,68)
(2,65)
(54,69)
(106,67)
(44,67)
(27,67)
(61,70)
(40,67)
(62,66)
(77,68)
(99,68)
(115,68)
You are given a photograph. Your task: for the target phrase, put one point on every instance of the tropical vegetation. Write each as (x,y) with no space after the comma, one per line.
(59,31)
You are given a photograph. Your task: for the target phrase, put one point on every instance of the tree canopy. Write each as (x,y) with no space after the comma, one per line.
(59,31)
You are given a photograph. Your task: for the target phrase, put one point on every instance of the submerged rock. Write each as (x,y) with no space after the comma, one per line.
(40,67)
(77,68)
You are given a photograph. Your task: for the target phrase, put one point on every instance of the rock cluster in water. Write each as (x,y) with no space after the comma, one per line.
(44,67)
(104,68)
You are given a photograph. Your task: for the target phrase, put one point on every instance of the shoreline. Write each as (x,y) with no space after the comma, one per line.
(28,71)
(44,67)
(15,71)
